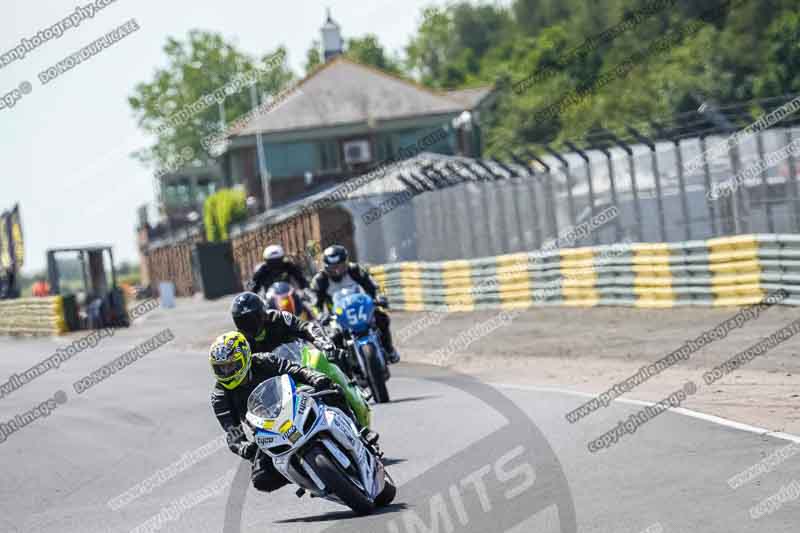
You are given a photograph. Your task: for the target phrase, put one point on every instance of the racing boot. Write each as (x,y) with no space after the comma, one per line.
(392,356)
(371,439)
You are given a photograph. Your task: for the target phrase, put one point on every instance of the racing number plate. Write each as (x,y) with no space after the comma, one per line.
(292,435)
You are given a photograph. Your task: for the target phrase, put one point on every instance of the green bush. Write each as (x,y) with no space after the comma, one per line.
(222,209)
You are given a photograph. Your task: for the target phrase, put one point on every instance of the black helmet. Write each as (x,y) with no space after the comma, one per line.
(335,261)
(249,314)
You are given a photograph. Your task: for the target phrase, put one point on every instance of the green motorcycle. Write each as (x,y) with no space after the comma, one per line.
(307,355)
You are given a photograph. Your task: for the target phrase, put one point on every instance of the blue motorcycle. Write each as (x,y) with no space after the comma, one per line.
(354,311)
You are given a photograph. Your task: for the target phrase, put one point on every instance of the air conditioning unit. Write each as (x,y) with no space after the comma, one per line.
(357,152)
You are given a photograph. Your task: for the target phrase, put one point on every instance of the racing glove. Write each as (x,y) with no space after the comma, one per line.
(338,356)
(323,382)
(326,346)
(248,450)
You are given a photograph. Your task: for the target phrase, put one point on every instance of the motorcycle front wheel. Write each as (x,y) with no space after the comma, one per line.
(377,374)
(387,494)
(337,481)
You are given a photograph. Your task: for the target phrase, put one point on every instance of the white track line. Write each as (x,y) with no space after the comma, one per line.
(680,410)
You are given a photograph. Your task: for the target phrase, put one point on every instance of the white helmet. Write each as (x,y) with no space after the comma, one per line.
(273,252)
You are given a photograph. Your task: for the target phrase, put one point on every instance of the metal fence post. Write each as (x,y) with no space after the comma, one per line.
(517,208)
(766,202)
(637,208)
(479,181)
(568,178)
(792,171)
(483,187)
(502,188)
(433,213)
(707,177)
(741,215)
(475,181)
(537,228)
(590,181)
(549,206)
(603,149)
(466,231)
(662,226)
(679,174)
(687,217)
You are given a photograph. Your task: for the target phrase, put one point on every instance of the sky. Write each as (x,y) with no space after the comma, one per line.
(65,146)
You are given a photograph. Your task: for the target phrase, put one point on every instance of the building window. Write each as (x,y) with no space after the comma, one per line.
(384,147)
(204,190)
(184,197)
(170,195)
(328,156)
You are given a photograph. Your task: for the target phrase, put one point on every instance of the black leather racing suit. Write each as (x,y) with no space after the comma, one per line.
(321,282)
(267,274)
(281,327)
(230,408)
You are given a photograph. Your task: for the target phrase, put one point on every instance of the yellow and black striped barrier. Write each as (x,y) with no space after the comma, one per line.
(727,271)
(32,316)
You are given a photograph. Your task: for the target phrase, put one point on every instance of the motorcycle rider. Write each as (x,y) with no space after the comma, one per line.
(266,329)
(238,372)
(276,267)
(338,273)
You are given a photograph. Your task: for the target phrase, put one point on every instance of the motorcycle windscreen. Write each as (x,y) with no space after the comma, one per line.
(266,401)
(280,288)
(341,296)
(280,296)
(292,351)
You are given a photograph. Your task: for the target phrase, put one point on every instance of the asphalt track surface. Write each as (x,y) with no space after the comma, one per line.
(467,456)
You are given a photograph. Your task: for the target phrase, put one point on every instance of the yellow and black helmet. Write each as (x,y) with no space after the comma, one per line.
(230,359)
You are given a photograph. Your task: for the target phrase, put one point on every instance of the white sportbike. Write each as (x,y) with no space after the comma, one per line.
(317,446)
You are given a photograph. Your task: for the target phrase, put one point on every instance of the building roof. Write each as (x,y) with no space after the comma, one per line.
(471,97)
(345,92)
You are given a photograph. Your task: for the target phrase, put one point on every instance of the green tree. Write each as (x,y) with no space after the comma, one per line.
(458,45)
(781,71)
(533,16)
(179,106)
(369,51)
(313,57)
(430,50)
(749,50)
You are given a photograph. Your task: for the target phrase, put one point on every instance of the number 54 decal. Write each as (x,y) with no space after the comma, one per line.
(356,316)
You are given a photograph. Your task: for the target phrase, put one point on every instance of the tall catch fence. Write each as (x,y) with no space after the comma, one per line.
(705,176)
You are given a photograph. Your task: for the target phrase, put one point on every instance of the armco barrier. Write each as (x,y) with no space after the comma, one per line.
(727,271)
(32,316)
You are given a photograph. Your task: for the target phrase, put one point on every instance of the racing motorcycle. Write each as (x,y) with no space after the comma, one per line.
(283,297)
(316,446)
(304,354)
(355,319)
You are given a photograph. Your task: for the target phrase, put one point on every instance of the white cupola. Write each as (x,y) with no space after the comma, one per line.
(332,44)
